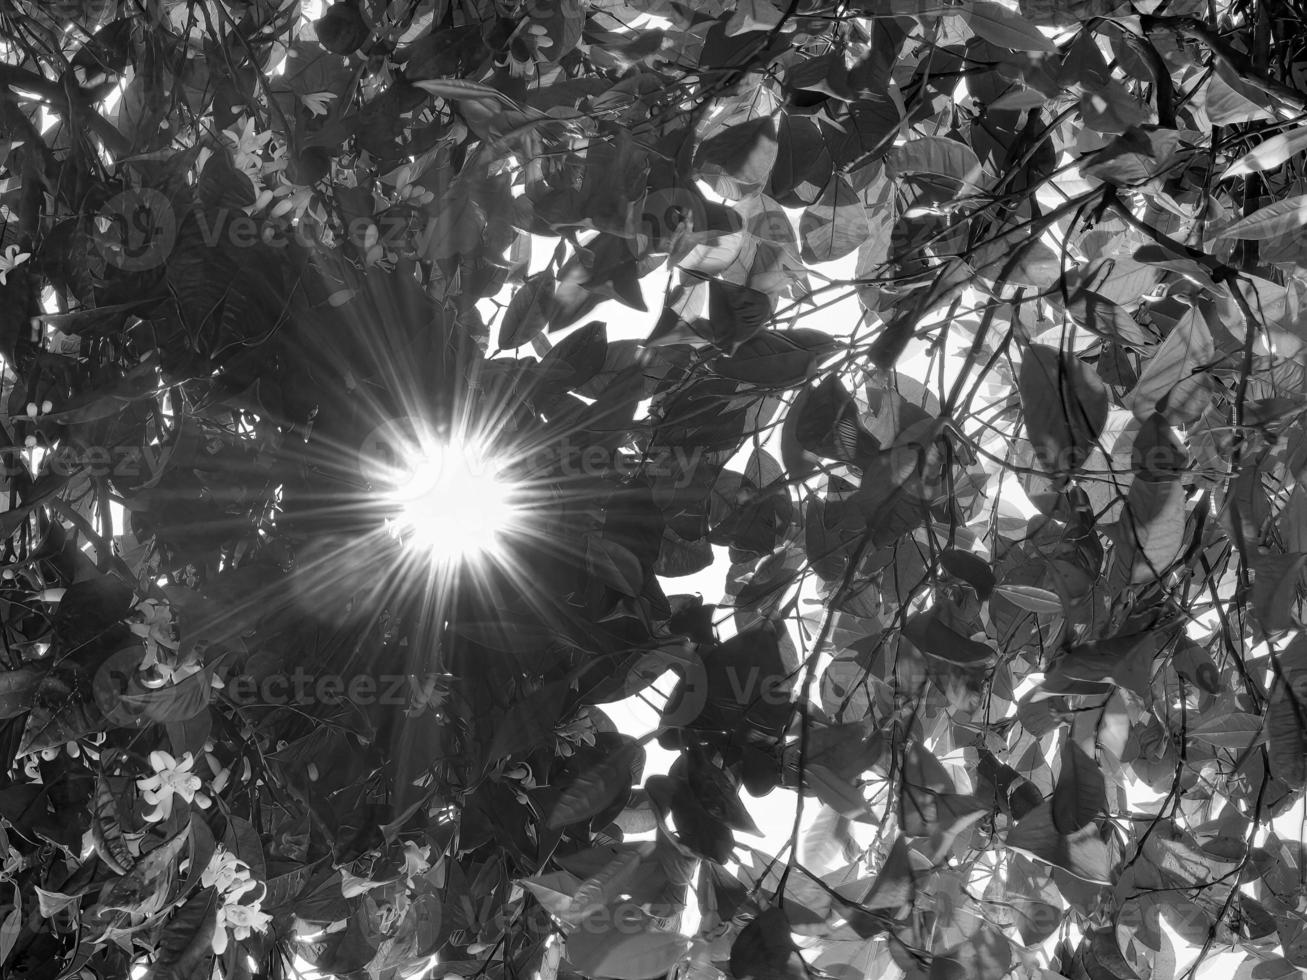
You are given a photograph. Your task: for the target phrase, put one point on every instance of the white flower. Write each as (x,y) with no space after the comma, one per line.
(248,147)
(296,200)
(172,777)
(155,623)
(415,859)
(316,102)
(10,260)
(579,731)
(228,874)
(246,918)
(241,920)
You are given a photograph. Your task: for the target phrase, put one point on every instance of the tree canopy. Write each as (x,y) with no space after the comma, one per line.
(975,376)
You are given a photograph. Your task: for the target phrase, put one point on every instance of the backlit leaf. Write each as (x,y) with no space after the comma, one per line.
(1006,28)
(1269,154)
(1172,381)
(1278,218)
(835,225)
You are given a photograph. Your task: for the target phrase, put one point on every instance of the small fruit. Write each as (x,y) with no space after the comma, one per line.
(342,28)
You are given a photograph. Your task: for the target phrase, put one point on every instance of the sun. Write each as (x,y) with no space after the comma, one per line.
(454,503)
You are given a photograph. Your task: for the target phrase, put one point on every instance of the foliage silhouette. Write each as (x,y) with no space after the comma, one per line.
(974,373)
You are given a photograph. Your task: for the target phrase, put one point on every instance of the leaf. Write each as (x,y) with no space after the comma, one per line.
(1278,218)
(59,715)
(745,153)
(839,794)
(1080,795)
(1151,528)
(593,790)
(1109,107)
(941,157)
(614,564)
(697,830)
(1276,579)
(1121,660)
(1232,100)
(1228,730)
(1032,897)
(1286,728)
(603,886)
(971,568)
(826,423)
(186,945)
(1064,404)
(1031,598)
(1107,319)
(629,949)
(528,722)
(896,883)
(996,24)
(753,15)
(51,903)
(678,557)
(17,691)
(555,890)
(835,225)
(1157,454)
(1172,382)
(736,312)
(172,703)
(9,931)
(1194,664)
(1082,854)
(987,955)
(716,790)
(931,636)
(528,311)
(146,889)
(765,950)
(582,353)
(107,833)
(775,358)
(1103,956)
(1269,154)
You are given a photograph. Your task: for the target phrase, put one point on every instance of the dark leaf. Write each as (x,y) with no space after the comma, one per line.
(765,950)
(835,225)
(59,715)
(593,790)
(736,313)
(17,691)
(743,153)
(1080,795)
(1064,405)
(1082,853)
(581,352)
(930,635)
(528,311)
(971,568)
